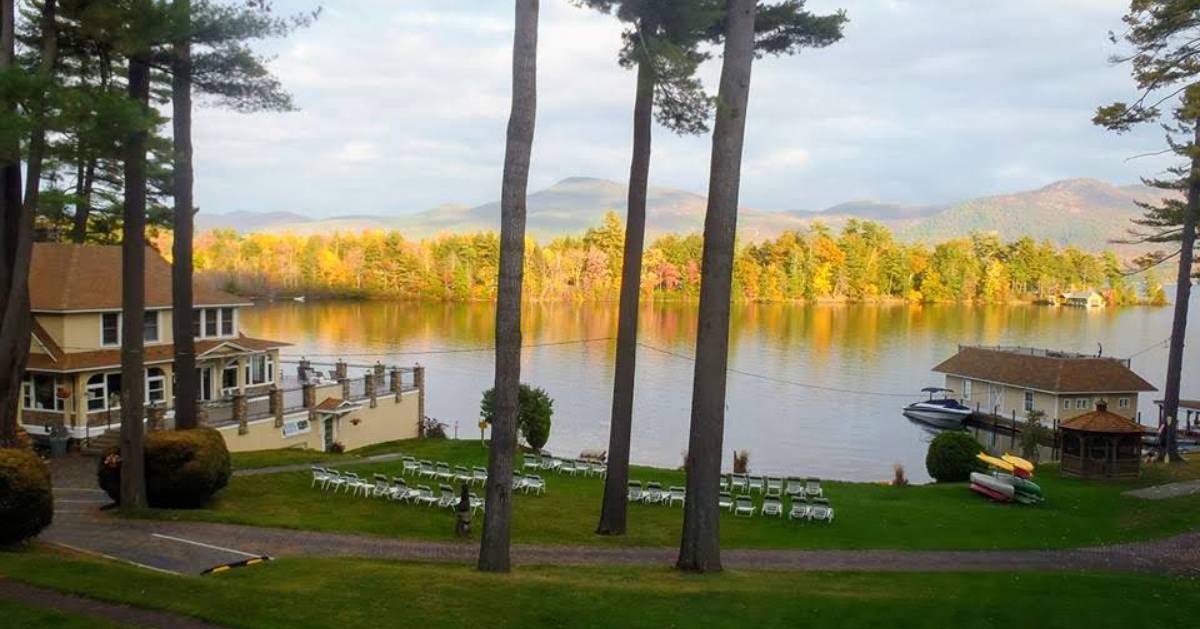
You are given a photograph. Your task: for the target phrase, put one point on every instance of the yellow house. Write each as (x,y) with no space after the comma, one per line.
(1062,385)
(73,377)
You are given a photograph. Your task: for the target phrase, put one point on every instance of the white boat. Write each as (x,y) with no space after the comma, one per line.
(300,299)
(943,412)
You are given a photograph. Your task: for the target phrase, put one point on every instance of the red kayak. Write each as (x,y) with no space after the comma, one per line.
(990,493)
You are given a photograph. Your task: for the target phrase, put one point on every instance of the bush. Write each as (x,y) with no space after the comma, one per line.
(951,457)
(535,408)
(26,500)
(184,468)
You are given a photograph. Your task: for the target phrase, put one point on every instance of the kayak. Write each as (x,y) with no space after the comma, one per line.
(994,495)
(996,462)
(1021,485)
(993,484)
(1019,463)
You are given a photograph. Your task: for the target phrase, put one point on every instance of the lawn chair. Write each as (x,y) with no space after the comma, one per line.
(382,487)
(335,481)
(654,493)
(583,467)
(567,466)
(475,502)
(518,483)
(447,499)
(774,486)
(755,483)
(532,462)
(820,510)
(319,476)
(738,482)
(676,494)
(635,491)
(743,507)
(354,484)
(599,468)
(795,486)
(772,506)
(535,483)
(443,472)
(724,483)
(401,492)
(479,475)
(550,463)
(425,469)
(725,501)
(410,465)
(800,509)
(812,488)
(462,475)
(425,496)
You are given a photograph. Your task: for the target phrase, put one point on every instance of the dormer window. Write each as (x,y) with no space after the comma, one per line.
(215,323)
(110,329)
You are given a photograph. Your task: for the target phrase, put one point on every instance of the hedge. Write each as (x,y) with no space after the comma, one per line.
(951,457)
(184,468)
(26,499)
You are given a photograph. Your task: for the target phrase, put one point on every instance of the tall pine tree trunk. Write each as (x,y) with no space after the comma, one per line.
(16,248)
(37,137)
(1183,293)
(614,508)
(186,381)
(700,548)
(494,547)
(133,296)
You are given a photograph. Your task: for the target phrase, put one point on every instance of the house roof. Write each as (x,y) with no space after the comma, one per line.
(1100,420)
(67,277)
(45,340)
(1044,371)
(153,354)
(1190,404)
(335,405)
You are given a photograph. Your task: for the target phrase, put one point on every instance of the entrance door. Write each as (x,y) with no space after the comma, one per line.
(995,398)
(328,430)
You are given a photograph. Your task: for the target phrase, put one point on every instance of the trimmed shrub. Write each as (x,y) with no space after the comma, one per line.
(951,457)
(535,410)
(26,500)
(184,468)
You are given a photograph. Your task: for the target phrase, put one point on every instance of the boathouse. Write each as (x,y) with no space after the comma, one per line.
(1082,299)
(1062,385)
(1101,445)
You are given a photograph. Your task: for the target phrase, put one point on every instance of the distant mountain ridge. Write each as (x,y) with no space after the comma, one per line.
(1086,213)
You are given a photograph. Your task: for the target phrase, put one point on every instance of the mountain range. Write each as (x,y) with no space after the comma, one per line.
(1086,213)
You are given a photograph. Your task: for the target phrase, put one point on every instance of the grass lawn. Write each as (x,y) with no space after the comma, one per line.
(350,594)
(22,615)
(1076,513)
(273,458)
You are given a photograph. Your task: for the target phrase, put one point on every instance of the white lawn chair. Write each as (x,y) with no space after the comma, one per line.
(443,472)
(518,482)
(635,491)
(425,469)
(320,476)
(795,486)
(475,502)
(676,494)
(820,510)
(534,483)
(599,468)
(462,475)
(800,509)
(725,501)
(755,483)
(356,485)
(812,488)
(567,466)
(738,482)
(382,487)
(425,496)
(479,475)
(447,497)
(724,483)
(550,463)
(335,481)
(654,493)
(772,506)
(774,486)
(410,465)
(401,492)
(743,507)
(532,462)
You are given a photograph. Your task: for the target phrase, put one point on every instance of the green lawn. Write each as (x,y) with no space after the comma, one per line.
(272,458)
(1076,513)
(22,615)
(349,594)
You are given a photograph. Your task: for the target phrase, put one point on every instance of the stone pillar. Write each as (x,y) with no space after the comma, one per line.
(380,371)
(239,413)
(340,369)
(419,382)
(156,415)
(275,401)
(308,395)
(394,383)
(369,381)
(345,388)
(303,368)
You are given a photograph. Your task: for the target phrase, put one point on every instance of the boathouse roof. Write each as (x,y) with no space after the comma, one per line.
(1044,370)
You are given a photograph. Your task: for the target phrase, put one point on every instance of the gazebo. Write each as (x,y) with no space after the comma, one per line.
(1101,444)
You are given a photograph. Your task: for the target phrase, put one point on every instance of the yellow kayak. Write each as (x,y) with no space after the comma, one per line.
(995,462)
(1018,462)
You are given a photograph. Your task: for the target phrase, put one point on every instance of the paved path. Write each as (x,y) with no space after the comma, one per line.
(90,608)
(1170,490)
(193,547)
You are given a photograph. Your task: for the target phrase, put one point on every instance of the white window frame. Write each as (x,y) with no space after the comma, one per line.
(157,327)
(27,394)
(161,379)
(1081,403)
(1067,404)
(1123,402)
(1030,398)
(217,314)
(967,388)
(120,325)
(102,387)
(236,387)
(296,427)
(267,363)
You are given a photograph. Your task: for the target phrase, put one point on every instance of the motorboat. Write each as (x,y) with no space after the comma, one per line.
(943,411)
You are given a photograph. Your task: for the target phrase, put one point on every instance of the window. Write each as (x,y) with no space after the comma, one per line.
(110,329)
(967,389)
(210,322)
(1028,401)
(260,369)
(150,326)
(156,386)
(1123,402)
(197,315)
(227,322)
(104,392)
(298,427)
(1066,404)
(229,377)
(214,322)
(40,392)
(1081,403)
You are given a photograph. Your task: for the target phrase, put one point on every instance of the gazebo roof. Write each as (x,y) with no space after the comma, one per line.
(1102,421)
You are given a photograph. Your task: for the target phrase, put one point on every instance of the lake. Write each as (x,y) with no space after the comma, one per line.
(860,363)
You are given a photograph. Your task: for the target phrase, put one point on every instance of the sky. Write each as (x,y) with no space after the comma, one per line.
(403,106)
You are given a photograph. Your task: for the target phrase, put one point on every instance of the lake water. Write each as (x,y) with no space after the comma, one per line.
(861,351)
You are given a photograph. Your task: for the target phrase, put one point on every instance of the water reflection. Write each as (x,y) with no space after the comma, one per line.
(887,348)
